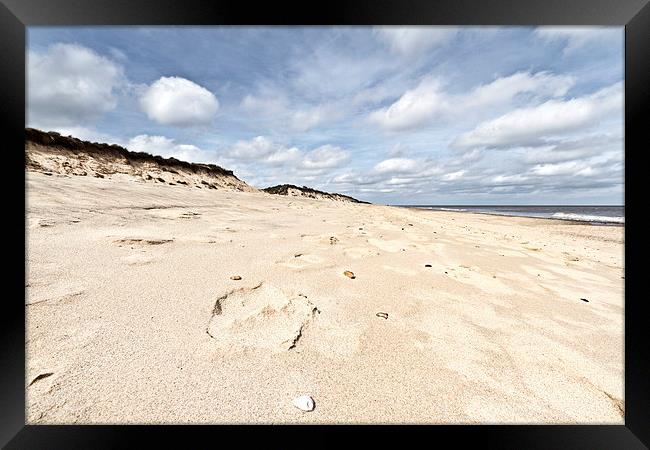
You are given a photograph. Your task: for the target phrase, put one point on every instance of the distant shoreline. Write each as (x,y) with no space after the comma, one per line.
(574,214)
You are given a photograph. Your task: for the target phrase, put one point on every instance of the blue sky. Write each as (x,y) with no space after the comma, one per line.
(397,115)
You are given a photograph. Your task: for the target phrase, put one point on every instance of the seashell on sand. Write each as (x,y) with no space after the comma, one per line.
(304,402)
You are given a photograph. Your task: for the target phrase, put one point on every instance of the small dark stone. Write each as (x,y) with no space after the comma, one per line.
(584,300)
(427,265)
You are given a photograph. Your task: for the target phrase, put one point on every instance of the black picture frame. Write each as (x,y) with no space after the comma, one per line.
(16,15)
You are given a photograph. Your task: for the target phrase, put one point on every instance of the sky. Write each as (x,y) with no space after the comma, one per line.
(391,115)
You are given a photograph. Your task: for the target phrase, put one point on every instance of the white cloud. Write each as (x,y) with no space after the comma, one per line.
(179,102)
(262,149)
(528,126)
(415,40)
(307,119)
(69,84)
(428,101)
(258,147)
(577,37)
(325,157)
(166,147)
(396,172)
(274,105)
(509,179)
(398,165)
(573,149)
(504,89)
(578,168)
(453,175)
(282,156)
(413,108)
(264,105)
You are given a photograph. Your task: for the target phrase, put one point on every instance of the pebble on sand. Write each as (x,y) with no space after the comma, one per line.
(427,265)
(349,274)
(304,402)
(383,315)
(235,277)
(584,300)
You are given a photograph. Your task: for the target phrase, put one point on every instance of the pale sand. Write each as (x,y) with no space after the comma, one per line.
(132,311)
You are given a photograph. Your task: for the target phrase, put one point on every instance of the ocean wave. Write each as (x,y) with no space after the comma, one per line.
(588,218)
(451,209)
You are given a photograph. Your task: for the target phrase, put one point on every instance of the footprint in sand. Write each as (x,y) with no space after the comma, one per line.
(263,316)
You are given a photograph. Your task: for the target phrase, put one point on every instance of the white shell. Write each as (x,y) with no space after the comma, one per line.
(304,402)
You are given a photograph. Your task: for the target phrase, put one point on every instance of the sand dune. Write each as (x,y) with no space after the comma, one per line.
(132,315)
(49,152)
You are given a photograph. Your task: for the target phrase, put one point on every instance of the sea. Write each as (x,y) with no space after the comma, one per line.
(594,215)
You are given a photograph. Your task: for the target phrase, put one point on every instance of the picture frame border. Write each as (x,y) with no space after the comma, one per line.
(634,15)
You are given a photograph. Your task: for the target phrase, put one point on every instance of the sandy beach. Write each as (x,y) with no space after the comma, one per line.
(132,315)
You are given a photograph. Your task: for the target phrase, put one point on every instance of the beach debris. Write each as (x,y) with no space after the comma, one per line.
(349,274)
(40,377)
(235,277)
(427,265)
(584,300)
(304,402)
(333,240)
(297,255)
(383,315)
